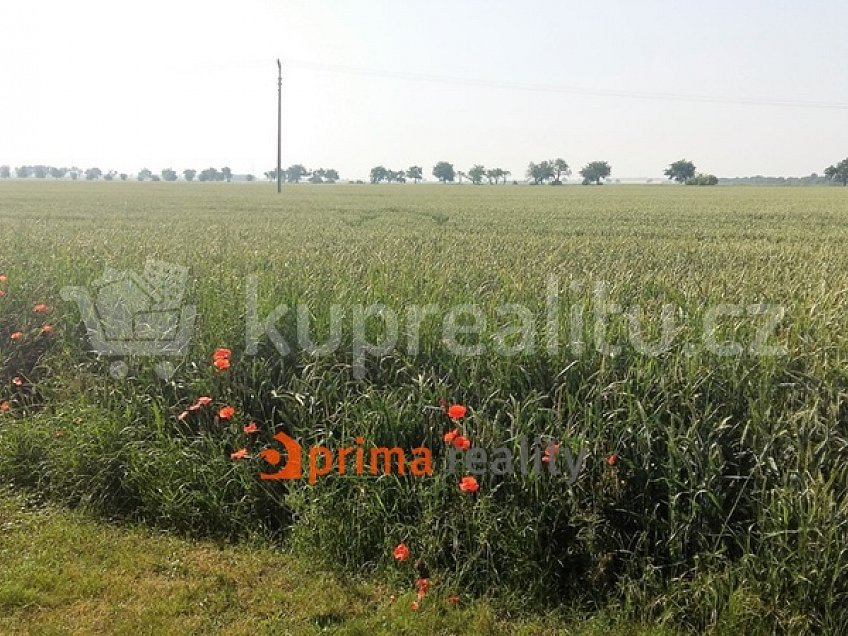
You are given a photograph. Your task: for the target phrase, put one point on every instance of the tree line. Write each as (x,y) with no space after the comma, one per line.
(551,171)
(838,172)
(94,174)
(296,172)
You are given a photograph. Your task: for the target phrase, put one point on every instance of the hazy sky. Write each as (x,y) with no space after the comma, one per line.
(193,84)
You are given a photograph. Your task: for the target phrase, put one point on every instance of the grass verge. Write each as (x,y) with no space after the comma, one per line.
(62,572)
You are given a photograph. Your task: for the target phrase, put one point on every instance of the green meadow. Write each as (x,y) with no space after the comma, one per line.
(691,341)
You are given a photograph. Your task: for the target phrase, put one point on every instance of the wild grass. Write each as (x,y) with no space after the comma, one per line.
(726,510)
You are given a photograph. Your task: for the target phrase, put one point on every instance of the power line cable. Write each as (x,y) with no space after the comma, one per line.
(571,90)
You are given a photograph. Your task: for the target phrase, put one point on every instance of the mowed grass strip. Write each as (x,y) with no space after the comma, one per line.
(62,572)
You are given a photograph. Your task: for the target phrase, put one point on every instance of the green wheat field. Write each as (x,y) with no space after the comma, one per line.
(713,495)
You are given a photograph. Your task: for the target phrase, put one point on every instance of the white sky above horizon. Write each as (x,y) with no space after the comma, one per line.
(193,84)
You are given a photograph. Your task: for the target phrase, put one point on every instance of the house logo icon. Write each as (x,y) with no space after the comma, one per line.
(293,468)
(137,314)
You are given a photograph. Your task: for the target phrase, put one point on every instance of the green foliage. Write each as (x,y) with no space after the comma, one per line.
(595,172)
(331,175)
(169,175)
(548,171)
(415,173)
(838,173)
(381,173)
(540,172)
(560,169)
(477,174)
(210,174)
(496,174)
(444,172)
(681,171)
(396,176)
(295,173)
(324,175)
(378,174)
(703,180)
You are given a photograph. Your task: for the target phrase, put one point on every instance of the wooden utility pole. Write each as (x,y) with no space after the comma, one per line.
(279,127)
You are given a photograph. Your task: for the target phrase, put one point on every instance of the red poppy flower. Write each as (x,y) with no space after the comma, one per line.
(4,278)
(221,353)
(457,412)
(422,585)
(251,428)
(16,336)
(450,436)
(453,599)
(612,460)
(415,605)
(17,381)
(41,308)
(401,552)
(201,402)
(469,484)
(239,454)
(5,406)
(48,329)
(461,442)
(227,413)
(222,364)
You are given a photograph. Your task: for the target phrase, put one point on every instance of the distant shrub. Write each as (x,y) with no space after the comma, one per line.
(703,180)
